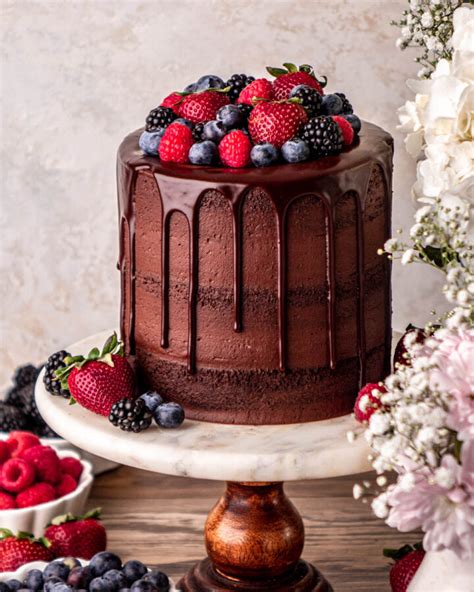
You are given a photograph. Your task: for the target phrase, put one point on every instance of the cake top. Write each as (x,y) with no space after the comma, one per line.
(247,122)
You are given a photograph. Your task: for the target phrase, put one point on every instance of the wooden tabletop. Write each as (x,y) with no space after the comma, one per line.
(160,520)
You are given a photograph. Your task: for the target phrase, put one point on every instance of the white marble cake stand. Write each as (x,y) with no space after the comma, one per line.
(254,535)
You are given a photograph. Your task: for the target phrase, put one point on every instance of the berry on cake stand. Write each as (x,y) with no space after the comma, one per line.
(254,535)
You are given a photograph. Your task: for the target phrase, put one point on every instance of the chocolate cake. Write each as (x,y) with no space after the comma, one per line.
(256,295)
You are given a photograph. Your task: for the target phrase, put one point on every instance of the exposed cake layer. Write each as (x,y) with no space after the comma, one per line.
(257,296)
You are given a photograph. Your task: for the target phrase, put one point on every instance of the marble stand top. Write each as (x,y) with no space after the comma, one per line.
(212,451)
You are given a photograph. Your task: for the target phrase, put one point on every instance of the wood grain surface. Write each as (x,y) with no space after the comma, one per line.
(160,520)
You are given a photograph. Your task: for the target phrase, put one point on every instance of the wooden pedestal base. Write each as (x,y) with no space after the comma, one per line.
(254,539)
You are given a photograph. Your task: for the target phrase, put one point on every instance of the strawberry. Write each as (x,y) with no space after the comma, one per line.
(40,493)
(101,378)
(71,466)
(202,106)
(66,485)
(16,475)
(276,122)
(172,101)
(77,536)
(176,143)
(368,401)
(7,501)
(259,89)
(15,551)
(45,461)
(407,561)
(20,441)
(234,149)
(290,76)
(401,356)
(346,129)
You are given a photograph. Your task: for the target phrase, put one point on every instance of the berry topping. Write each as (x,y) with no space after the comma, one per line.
(71,466)
(309,97)
(368,401)
(203,106)
(80,536)
(169,415)
(208,81)
(346,106)
(7,501)
(234,149)
(15,551)
(214,131)
(197,132)
(203,153)
(159,117)
(258,89)
(236,83)
(290,76)
(51,383)
(263,155)
(323,136)
(346,129)
(130,416)
(172,101)
(45,461)
(295,150)
(149,142)
(276,122)
(332,105)
(355,122)
(175,143)
(231,116)
(37,494)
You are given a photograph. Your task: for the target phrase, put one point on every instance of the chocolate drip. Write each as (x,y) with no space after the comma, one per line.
(331,279)
(282,295)
(237,239)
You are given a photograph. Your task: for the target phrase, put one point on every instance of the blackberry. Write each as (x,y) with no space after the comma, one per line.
(246,109)
(52,385)
(237,83)
(11,418)
(159,117)
(346,106)
(323,136)
(130,416)
(25,375)
(310,98)
(197,132)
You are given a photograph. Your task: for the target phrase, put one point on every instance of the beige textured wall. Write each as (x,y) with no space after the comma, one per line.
(77,75)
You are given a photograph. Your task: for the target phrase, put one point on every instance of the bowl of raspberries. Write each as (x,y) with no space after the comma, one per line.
(38,482)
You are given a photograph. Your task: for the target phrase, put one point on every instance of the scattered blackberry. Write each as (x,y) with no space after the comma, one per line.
(323,136)
(52,385)
(11,418)
(310,99)
(130,416)
(159,117)
(237,83)
(197,132)
(346,106)
(25,375)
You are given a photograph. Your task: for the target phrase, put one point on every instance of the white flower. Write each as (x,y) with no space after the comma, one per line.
(444,477)
(380,507)
(391,245)
(379,423)
(427,20)
(357,491)
(408,256)
(406,482)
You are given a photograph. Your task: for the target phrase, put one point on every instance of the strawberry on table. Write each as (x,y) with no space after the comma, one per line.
(77,536)
(202,106)
(407,561)
(23,548)
(289,76)
(276,122)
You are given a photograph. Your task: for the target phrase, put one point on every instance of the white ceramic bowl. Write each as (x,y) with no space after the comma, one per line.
(35,519)
(21,572)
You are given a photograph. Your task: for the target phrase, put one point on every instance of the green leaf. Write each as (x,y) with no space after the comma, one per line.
(72,401)
(93,354)
(110,344)
(290,67)
(322,81)
(72,359)
(276,71)
(398,554)
(306,68)
(5,533)
(95,513)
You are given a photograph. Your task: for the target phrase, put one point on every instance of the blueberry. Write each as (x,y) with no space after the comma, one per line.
(149,141)
(209,81)
(79,577)
(185,122)
(51,582)
(295,150)
(61,587)
(116,579)
(263,155)
(103,562)
(72,562)
(202,153)
(58,569)
(143,586)
(151,399)
(99,585)
(332,105)
(214,131)
(354,121)
(124,590)
(158,579)
(134,570)
(169,415)
(34,580)
(4,587)
(231,116)
(191,88)
(14,585)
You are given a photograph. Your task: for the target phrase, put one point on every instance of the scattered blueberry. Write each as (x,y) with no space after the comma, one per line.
(295,150)
(169,415)
(214,131)
(354,121)
(34,580)
(332,105)
(185,122)
(99,585)
(58,569)
(134,570)
(103,562)
(231,116)
(149,141)
(159,579)
(51,582)
(116,579)
(263,155)
(209,81)
(61,587)
(191,88)
(14,585)
(151,399)
(79,577)
(203,153)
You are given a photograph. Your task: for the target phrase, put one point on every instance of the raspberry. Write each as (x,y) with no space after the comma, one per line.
(258,89)
(16,475)
(40,493)
(66,485)
(175,143)
(4,452)
(346,129)
(172,101)
(7,502)
(234,149)
(71,466)
(45,461)
(368,401)
(18,442)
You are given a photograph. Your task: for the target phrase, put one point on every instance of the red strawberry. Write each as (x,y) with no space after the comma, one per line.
(172,101)
(260,89)
(15,551)
(71,466)
(20,441)
(401,356)
(37,494)
(234,149)
(407,561)
(202,106)
(66,485)
(368,401)
(346,129)
(45,461)
(82,536)
(276,122)
(7,502)
(175,143)
(290,76)
(4,452)
(16,475)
